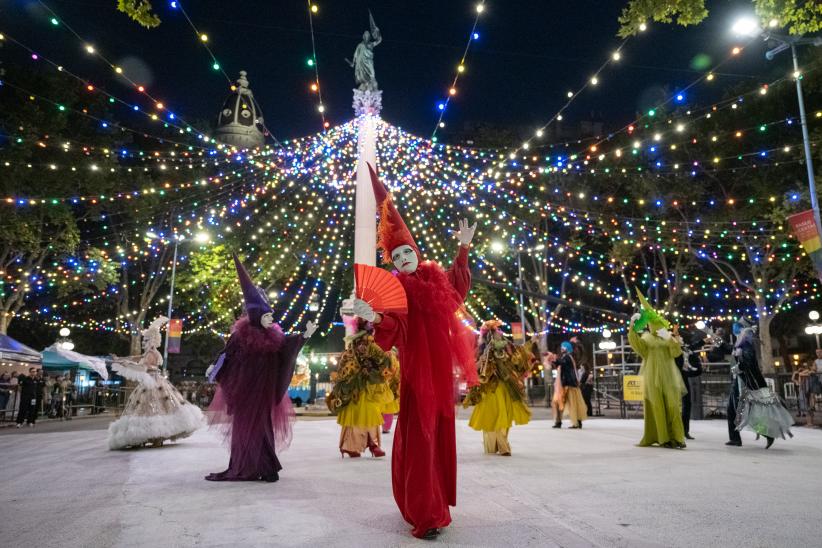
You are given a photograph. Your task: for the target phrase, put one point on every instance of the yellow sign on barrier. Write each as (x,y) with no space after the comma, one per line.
(632,388)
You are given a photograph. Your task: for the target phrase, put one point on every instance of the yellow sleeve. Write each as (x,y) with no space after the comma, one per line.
(636,342)
(674,347)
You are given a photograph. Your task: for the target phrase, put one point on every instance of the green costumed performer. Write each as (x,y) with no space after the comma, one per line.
(662,385)
(499,399)
(362,391)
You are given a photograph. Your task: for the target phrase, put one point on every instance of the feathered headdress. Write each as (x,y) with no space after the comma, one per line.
(648,315)
(392,231)
(490,325)
(151,334)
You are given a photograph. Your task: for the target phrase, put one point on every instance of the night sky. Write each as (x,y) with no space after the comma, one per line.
(528,55)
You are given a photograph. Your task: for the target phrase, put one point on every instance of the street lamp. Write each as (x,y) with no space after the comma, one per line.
(499,247)
(202,238)
(748,26)
(814,329)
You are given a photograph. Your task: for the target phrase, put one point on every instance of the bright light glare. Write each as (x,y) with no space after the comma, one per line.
(202,237)
(746,26)
(65,332)
(813,315)
(497,247)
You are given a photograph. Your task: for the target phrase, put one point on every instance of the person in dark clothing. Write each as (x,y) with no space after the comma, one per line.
(574,405)
(586,384)
(751,403)
(31,396)
(689,365)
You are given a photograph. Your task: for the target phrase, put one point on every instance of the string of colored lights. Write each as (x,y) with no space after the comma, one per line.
(312,62)
(90,49)
(431,199)
(202,38)
(473,36)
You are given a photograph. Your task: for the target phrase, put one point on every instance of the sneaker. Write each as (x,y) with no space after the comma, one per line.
(19,426)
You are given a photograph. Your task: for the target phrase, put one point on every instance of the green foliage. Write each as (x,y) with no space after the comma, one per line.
(210,278)
(796,16)
(141,11)
(681,12)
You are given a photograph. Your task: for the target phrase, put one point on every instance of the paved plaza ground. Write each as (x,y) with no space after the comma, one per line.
(594,487)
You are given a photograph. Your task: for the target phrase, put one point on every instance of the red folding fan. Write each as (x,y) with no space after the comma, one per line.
(379,288)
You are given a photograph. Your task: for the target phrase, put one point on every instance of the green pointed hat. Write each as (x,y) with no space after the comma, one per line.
(647,315)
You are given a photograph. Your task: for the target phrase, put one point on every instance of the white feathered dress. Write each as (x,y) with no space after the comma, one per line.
(155,411)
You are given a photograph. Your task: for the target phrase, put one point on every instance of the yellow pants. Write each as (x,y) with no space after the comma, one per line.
(575,405)
(496,442)
(355,438)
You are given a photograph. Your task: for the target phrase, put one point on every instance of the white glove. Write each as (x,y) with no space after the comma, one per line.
(310,328)
(209,370)
(363,310)
(635,317)
(663,333)
(737,352)
(466,233)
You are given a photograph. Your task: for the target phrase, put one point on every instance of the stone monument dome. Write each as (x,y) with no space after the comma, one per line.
(240,122)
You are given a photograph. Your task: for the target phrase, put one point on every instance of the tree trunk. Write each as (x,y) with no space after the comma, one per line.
(134,344)
(766,344)
(5,320)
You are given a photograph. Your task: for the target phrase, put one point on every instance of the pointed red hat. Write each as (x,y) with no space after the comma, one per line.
(391,232)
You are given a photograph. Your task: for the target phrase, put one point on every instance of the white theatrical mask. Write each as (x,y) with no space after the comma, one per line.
(267,320)
(405,259)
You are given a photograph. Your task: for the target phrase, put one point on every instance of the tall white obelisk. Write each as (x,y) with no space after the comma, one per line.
(367,105)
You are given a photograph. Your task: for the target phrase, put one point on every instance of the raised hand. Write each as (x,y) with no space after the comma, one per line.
(310,328)
(466,233)
(363,310)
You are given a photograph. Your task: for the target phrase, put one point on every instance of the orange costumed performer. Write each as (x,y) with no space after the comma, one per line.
(432,340)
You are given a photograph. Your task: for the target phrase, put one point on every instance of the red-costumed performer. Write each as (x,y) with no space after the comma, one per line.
(432,340)
(253,374)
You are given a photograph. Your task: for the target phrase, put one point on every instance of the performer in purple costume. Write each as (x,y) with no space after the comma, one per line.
(253,373)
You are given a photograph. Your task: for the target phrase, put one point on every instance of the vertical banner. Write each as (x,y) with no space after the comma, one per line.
(175,331)
(516,332)
(805,229)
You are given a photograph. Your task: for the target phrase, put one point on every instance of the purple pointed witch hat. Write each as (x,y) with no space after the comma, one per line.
(256,302)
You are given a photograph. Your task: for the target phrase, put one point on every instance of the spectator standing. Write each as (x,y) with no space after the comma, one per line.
(5,393)
(68,392)
(40,391)
(48,385)
(29,387)
(586,384)
(57,397)
(806,380)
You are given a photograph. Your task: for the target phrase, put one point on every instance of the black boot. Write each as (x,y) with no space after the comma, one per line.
(431,534)
(557,425)
(271,478)
(770,442)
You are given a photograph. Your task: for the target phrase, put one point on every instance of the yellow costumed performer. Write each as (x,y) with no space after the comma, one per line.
(362,392)
(662,385)
(499,398)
